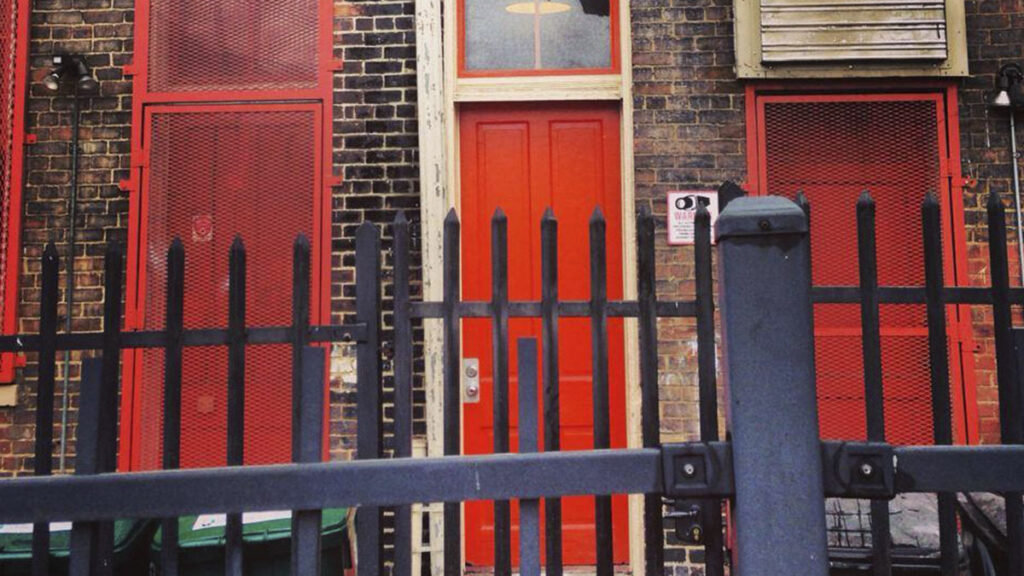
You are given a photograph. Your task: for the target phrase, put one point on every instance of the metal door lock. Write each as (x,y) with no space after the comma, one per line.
(471,380)
(688,516)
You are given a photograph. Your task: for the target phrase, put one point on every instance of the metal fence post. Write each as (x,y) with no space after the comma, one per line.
(765,295)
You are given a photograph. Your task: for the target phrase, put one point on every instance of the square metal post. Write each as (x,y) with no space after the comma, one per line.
(765,295)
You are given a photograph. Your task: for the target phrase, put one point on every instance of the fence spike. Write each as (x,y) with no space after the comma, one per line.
(45,396)
(403,379)
(452,391)
(500,393)
(599,359)
(654,549)
(550,367)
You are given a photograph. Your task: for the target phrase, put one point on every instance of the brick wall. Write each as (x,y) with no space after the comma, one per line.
(995,32)
(375,152)
(102,29)
(689,135)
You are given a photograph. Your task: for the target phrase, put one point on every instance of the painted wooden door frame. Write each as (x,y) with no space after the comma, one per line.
(440,90)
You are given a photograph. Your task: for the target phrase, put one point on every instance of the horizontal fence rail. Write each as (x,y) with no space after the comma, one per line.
(681,483)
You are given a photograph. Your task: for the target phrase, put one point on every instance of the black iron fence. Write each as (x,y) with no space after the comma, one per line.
(774,469)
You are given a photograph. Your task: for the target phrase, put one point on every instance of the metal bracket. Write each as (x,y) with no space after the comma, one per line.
(859,470)
(697,470)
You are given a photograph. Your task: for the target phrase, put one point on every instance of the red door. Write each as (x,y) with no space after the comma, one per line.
(833,147)
(525,158)
(214,172)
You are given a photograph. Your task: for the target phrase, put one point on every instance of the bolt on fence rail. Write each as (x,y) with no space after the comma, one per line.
(766,234)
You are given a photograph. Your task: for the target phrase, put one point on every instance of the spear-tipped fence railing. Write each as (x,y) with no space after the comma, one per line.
(764,285)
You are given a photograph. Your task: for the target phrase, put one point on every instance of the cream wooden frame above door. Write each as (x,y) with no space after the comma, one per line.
(440,90)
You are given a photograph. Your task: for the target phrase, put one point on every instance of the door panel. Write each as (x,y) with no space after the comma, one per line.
(214,173)
(832,148)
(524,159)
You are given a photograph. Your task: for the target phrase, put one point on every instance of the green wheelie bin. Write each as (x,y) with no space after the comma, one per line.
(266,544)
(131,540)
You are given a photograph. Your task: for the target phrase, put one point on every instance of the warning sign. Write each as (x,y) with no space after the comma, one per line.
(682,209)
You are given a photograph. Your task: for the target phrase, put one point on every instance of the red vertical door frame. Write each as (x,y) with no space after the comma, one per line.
(17,83)
(965,416)
(142,99)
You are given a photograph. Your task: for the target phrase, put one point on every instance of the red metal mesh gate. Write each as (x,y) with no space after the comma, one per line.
(13,33)
(214,174)
(832,149)
(233,45)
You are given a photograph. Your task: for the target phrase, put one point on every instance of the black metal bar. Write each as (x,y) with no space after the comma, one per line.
(714,546)
(1008,375)
(301,280)
(174,322)
(403,386)
(566,308)
(529,508)
(452,392)
(550,368)
(363,483)
(43,465)
(306,523)
(84,534)
(369,519)
(939,363)
(763,250)
(650,422)
(499,345)
(236,395)
(106,456)
(1014,505)
(867,258)
(86,497)
(599,355)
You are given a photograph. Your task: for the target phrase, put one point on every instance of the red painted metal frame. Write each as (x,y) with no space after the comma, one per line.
(944,94)
(9,361)
(142,99)
(614,13)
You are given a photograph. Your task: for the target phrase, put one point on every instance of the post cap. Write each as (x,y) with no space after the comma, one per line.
(759,216)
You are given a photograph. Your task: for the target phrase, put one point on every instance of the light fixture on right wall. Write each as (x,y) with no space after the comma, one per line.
(1009,96)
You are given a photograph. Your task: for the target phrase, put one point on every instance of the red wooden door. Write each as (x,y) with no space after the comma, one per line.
(833,147)
(524,159)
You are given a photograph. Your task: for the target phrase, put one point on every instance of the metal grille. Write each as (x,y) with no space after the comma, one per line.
(232,45)
(832,151)
(216,175)
(8,94)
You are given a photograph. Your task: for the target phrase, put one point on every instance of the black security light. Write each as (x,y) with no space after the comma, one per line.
(1009,88)
(70,68)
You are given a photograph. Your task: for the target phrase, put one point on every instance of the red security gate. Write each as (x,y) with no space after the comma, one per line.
(832,148)
(230,137)
(214,173)
(14,28)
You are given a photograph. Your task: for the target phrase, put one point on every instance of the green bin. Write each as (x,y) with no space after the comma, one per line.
(267,544)
(131,538)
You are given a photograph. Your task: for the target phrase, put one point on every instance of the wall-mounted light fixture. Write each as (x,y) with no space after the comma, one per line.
(1009,96)
(70,68)
(1009,88)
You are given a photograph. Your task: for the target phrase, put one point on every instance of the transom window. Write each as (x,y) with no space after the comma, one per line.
(522,37)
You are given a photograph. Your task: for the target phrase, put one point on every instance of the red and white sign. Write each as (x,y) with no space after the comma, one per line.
(202,228)
(682,210)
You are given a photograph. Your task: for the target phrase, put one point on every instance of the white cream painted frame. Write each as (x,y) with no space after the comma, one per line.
(437,57)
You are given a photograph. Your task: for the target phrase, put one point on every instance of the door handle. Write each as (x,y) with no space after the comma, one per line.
(471,380)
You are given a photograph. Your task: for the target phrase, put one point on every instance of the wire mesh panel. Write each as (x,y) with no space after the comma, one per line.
(232,45)
(832,149)
(216,174)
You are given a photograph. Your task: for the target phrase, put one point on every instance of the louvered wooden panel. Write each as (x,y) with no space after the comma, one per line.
(865,30)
